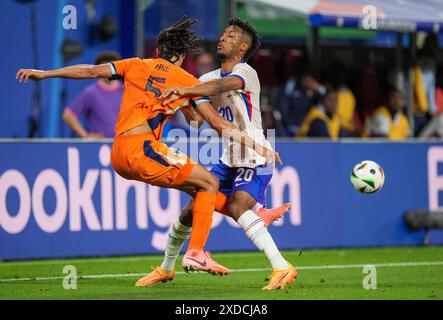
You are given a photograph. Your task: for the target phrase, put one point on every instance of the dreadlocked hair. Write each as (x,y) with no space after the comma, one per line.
(178,39)
(247,27)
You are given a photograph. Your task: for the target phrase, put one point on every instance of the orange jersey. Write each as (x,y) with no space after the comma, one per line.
(145,80)
(144,158)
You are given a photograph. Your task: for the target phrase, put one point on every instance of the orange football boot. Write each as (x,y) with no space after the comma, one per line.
(270,215)
(157,275)
(199,260)
(280,278)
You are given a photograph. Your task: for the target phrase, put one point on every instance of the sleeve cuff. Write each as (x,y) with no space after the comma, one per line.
(196,103)
(113,69)
(241,78)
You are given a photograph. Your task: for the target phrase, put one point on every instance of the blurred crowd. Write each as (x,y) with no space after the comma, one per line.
(340,99)
(354,100)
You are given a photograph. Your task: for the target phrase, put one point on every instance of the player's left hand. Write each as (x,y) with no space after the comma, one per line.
(23,75)
(272,156)
(172,94)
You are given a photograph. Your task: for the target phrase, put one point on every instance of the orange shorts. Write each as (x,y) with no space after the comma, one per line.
(141,157)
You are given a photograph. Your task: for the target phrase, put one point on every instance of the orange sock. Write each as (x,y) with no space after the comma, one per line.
(202,220)
(221,203)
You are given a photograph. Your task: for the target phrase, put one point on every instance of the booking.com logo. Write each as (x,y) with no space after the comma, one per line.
(88,194)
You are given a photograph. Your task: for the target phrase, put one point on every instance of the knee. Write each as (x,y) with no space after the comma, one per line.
(236,209)
(210,184)
(215,183)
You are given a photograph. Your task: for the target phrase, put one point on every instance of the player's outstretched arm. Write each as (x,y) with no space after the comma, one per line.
(192,116)
(231,131)
(81,71)
(206,89)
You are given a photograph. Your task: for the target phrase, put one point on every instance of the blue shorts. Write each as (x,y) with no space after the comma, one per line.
(251,180)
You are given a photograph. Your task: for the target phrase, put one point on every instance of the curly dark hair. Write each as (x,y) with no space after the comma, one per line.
(247,27)
(107,56)
(178,39)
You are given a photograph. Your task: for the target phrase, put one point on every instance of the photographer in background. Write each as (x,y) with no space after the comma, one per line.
(98,103)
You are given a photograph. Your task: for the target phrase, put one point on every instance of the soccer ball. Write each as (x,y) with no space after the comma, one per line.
(367,177)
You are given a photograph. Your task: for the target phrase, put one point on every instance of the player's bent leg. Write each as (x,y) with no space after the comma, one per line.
(185,217)
(198,180)
(267,215)
(175,242)
(174,245)
(256,230)
(226,177)
(206,186)
(206,189)
(159,165)
(240,202)
(178,234)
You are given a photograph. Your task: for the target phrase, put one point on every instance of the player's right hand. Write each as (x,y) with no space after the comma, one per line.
(172,94)
(23,75)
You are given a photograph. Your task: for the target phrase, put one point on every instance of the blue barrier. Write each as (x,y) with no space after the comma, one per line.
(63,200)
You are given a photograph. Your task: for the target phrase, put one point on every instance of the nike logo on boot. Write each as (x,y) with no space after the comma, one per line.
(203,264)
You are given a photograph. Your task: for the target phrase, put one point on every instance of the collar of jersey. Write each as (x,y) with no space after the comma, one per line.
(224,74)
(166,60)
(228,73)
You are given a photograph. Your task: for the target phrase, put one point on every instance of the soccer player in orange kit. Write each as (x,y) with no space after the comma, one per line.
(138,154)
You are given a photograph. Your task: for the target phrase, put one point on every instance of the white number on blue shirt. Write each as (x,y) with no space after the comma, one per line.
(244,175)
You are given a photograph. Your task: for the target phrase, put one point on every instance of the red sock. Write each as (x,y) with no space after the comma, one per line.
(202,220)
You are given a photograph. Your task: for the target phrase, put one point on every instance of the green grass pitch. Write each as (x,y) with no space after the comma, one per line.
(402,273)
